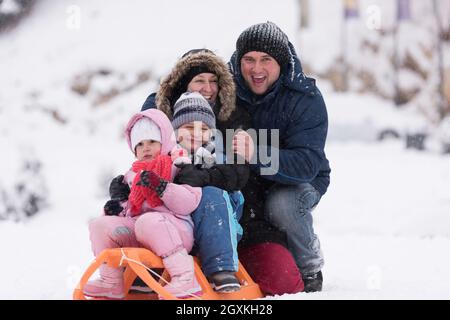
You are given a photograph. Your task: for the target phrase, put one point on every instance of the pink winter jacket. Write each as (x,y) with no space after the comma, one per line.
(179,200)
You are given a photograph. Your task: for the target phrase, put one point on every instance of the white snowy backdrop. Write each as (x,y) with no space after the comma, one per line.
(73,72)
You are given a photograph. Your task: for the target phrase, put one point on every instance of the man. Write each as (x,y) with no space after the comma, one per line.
(271,87)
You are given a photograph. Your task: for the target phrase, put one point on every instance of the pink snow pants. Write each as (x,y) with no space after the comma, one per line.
(161,232)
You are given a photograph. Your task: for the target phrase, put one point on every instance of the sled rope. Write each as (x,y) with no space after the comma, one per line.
(124,257)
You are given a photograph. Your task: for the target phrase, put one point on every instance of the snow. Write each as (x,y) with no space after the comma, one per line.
(372,40)
(384,224)
(9,7)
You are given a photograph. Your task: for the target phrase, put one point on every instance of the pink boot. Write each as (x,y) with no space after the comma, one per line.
(109,285)
(180,267)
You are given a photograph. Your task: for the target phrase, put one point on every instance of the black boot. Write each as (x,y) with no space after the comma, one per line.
(313,283)
(224,281)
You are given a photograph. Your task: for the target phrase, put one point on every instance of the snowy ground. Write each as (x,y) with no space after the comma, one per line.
(384,229)
(384,225)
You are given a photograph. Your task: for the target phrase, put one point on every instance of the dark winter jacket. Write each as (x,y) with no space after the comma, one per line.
(294,106)
(256,229)
(225,176)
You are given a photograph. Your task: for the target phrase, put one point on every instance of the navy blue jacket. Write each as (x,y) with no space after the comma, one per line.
(294,106)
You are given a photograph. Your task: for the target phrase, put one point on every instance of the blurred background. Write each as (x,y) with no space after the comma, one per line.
(73,72)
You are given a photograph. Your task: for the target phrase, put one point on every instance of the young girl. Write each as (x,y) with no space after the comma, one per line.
(155,216)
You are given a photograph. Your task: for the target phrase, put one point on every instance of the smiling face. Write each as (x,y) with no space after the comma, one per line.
(260,71)
(193,135)
(206,84)
(147,150)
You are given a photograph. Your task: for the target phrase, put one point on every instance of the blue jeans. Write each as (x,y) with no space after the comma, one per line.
(290,209)
(217,230)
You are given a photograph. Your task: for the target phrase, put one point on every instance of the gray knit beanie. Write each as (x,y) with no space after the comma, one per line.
(264,37)
(191,106)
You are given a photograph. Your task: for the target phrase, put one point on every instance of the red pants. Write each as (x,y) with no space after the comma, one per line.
(272,267)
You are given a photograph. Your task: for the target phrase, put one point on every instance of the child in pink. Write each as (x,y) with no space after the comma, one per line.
(156,215)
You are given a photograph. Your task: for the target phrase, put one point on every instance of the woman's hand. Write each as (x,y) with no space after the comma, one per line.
(118,189)
(191,175)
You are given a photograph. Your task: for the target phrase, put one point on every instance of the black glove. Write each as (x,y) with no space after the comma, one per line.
(229,177)
(191,175)
(151,180)
(112,208)
(118,189)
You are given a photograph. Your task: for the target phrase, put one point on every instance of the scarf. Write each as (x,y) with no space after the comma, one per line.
(162,166)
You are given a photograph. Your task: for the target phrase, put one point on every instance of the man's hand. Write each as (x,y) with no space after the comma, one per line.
(243,145)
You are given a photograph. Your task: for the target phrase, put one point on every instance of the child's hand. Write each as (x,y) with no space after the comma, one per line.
(179,155)
(153,181)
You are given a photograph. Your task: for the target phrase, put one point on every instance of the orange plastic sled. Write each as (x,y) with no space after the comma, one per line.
(135,261)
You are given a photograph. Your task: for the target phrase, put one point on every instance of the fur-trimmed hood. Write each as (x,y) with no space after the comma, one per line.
(226,97)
